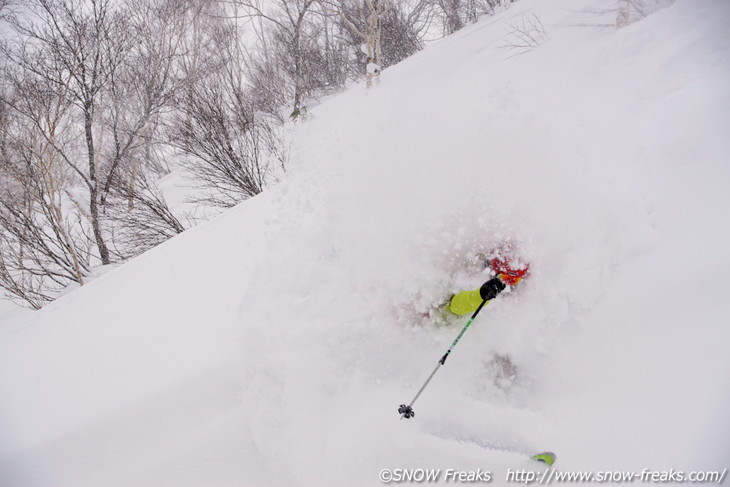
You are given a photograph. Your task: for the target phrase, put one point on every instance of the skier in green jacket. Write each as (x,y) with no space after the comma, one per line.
(508,274)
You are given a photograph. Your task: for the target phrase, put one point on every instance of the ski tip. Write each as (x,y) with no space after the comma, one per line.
(547,458)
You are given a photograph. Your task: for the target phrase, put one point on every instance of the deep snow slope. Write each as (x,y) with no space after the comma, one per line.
(273,345)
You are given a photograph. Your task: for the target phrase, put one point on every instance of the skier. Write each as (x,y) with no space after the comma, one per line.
(508,274)
(508,271)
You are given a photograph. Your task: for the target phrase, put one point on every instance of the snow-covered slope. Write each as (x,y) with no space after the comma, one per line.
(273,345)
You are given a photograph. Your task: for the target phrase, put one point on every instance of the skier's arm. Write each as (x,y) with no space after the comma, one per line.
(491,289)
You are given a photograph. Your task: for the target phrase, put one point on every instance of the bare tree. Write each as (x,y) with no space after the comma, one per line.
(400,37)
(142,217)
(87,88)
(77,47)
(119,66)
(229,148)
(138,98)
(474,9)
(294,34)
(453,15)
(228,145)
(43,242)
(630,11)
(143,88)
(3,5)
(380,32)
(364,21)
(525,34)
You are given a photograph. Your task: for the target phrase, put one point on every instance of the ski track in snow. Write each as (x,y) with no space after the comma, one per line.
(273,345)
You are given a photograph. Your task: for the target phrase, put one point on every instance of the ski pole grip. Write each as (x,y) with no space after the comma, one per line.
(491,289)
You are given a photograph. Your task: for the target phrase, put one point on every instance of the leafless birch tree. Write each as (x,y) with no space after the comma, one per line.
(364,20)
(86,85)
(76,46)
(43,241)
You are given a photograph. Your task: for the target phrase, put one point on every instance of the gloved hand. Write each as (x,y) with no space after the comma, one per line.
(491,288)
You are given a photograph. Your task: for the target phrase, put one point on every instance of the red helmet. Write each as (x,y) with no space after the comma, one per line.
(509,272)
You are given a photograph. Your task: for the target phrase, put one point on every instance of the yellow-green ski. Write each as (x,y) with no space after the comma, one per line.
(547,458)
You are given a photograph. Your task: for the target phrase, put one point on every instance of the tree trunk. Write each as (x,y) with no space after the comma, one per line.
(453,20)
(297,73)
(623,17)
(372,41)
(94,185)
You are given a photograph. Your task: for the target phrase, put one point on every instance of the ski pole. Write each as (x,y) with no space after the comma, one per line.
(406,411)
